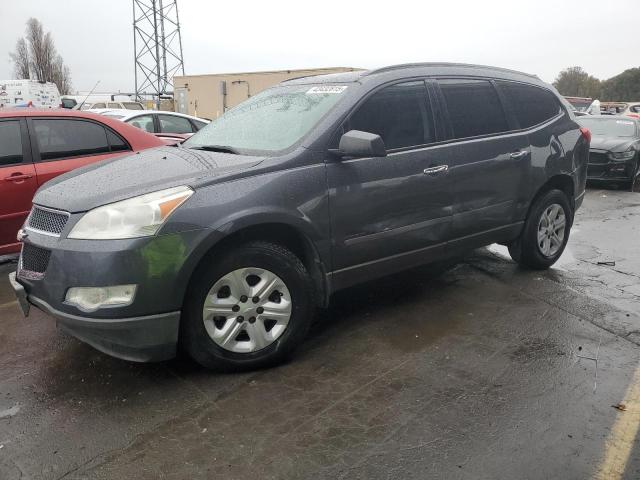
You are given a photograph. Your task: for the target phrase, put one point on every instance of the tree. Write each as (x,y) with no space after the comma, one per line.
(61,76)
(575,82)
(20,60)
(624,87)
(36,57)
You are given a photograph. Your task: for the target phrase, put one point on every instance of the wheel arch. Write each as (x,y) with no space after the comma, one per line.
(562,182)
(289,234)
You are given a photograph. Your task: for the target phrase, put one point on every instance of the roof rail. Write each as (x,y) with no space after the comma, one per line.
(298,78)
(441,64)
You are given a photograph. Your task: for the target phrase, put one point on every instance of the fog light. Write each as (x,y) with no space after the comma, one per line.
(90,299)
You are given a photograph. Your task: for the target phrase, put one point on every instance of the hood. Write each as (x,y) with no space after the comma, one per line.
(611,144)
(143,172)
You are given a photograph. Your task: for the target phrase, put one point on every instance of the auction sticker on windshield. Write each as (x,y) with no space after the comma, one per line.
(327,89)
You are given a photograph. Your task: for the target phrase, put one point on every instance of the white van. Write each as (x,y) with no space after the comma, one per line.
(29,93)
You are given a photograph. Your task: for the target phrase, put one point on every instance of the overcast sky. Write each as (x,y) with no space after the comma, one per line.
(537,36)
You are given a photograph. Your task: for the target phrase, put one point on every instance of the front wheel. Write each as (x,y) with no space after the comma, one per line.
(545,233)
(248,308)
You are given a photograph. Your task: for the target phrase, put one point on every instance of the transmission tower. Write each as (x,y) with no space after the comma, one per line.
(158,47)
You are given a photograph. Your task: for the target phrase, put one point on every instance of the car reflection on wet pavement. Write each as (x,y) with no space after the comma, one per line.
(471,369)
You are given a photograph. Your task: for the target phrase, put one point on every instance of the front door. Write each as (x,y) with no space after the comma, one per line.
(18,182)
(389,213)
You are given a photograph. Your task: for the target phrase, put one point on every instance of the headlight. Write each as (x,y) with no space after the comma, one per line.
(135,217)
(618,156)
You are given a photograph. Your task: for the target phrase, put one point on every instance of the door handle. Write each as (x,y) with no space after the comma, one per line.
(519,154)
(436,170)
(17,177)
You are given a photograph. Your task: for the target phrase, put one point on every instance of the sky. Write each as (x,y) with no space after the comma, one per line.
(95,37)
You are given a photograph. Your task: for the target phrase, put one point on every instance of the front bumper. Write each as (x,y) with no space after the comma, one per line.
(139,339)
(145,330)
(602,168)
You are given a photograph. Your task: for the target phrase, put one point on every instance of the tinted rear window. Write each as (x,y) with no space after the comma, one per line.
(531,105)
(474,107)
(10,143)
(61,138)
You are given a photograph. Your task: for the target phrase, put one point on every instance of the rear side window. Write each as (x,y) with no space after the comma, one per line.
(400,114)
(116,143)
(62,138)
(474,107)
(174,124)
(10,143)
(114,105)
(531,105)
(98,105)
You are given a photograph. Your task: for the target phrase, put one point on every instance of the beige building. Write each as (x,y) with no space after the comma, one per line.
(208,96)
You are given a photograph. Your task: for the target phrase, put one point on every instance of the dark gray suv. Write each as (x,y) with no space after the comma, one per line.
(228,243)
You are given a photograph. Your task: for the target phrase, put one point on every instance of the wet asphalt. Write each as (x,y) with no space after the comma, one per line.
(474,369)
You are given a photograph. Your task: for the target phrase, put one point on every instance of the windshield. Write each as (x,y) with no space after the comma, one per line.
(609,127)
(271,121)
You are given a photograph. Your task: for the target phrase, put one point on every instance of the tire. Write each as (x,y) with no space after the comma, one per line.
(223,339)
(526,250)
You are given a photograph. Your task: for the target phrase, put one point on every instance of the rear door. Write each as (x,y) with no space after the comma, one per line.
(63,144)
(18,181)
(489,162)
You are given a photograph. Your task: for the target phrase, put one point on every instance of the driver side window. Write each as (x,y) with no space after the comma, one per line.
(399,113)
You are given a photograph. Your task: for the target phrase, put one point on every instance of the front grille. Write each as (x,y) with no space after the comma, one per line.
(33,261)
(48,221)
(598,158)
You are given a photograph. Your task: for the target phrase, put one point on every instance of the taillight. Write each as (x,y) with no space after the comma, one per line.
(586,133)
(634,115)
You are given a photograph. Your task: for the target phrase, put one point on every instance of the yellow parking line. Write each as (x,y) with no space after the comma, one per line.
(8,303)
(623,434)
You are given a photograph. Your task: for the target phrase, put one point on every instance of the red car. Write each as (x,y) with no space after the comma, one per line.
(38,145)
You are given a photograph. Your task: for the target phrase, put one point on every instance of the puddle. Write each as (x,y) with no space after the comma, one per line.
(9,412)
(567,257)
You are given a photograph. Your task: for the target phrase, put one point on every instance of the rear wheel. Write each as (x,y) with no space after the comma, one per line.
(248,309)
(545,233)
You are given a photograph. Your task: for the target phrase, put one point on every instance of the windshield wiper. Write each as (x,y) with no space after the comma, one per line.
(217,148)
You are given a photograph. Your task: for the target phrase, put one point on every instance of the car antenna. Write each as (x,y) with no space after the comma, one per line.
(85,98)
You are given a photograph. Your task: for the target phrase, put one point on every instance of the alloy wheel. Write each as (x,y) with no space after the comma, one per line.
(551,230)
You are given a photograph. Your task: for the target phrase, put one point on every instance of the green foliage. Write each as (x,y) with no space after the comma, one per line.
(575,82)
(624,87)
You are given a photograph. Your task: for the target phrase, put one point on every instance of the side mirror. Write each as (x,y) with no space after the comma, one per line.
(356,144)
